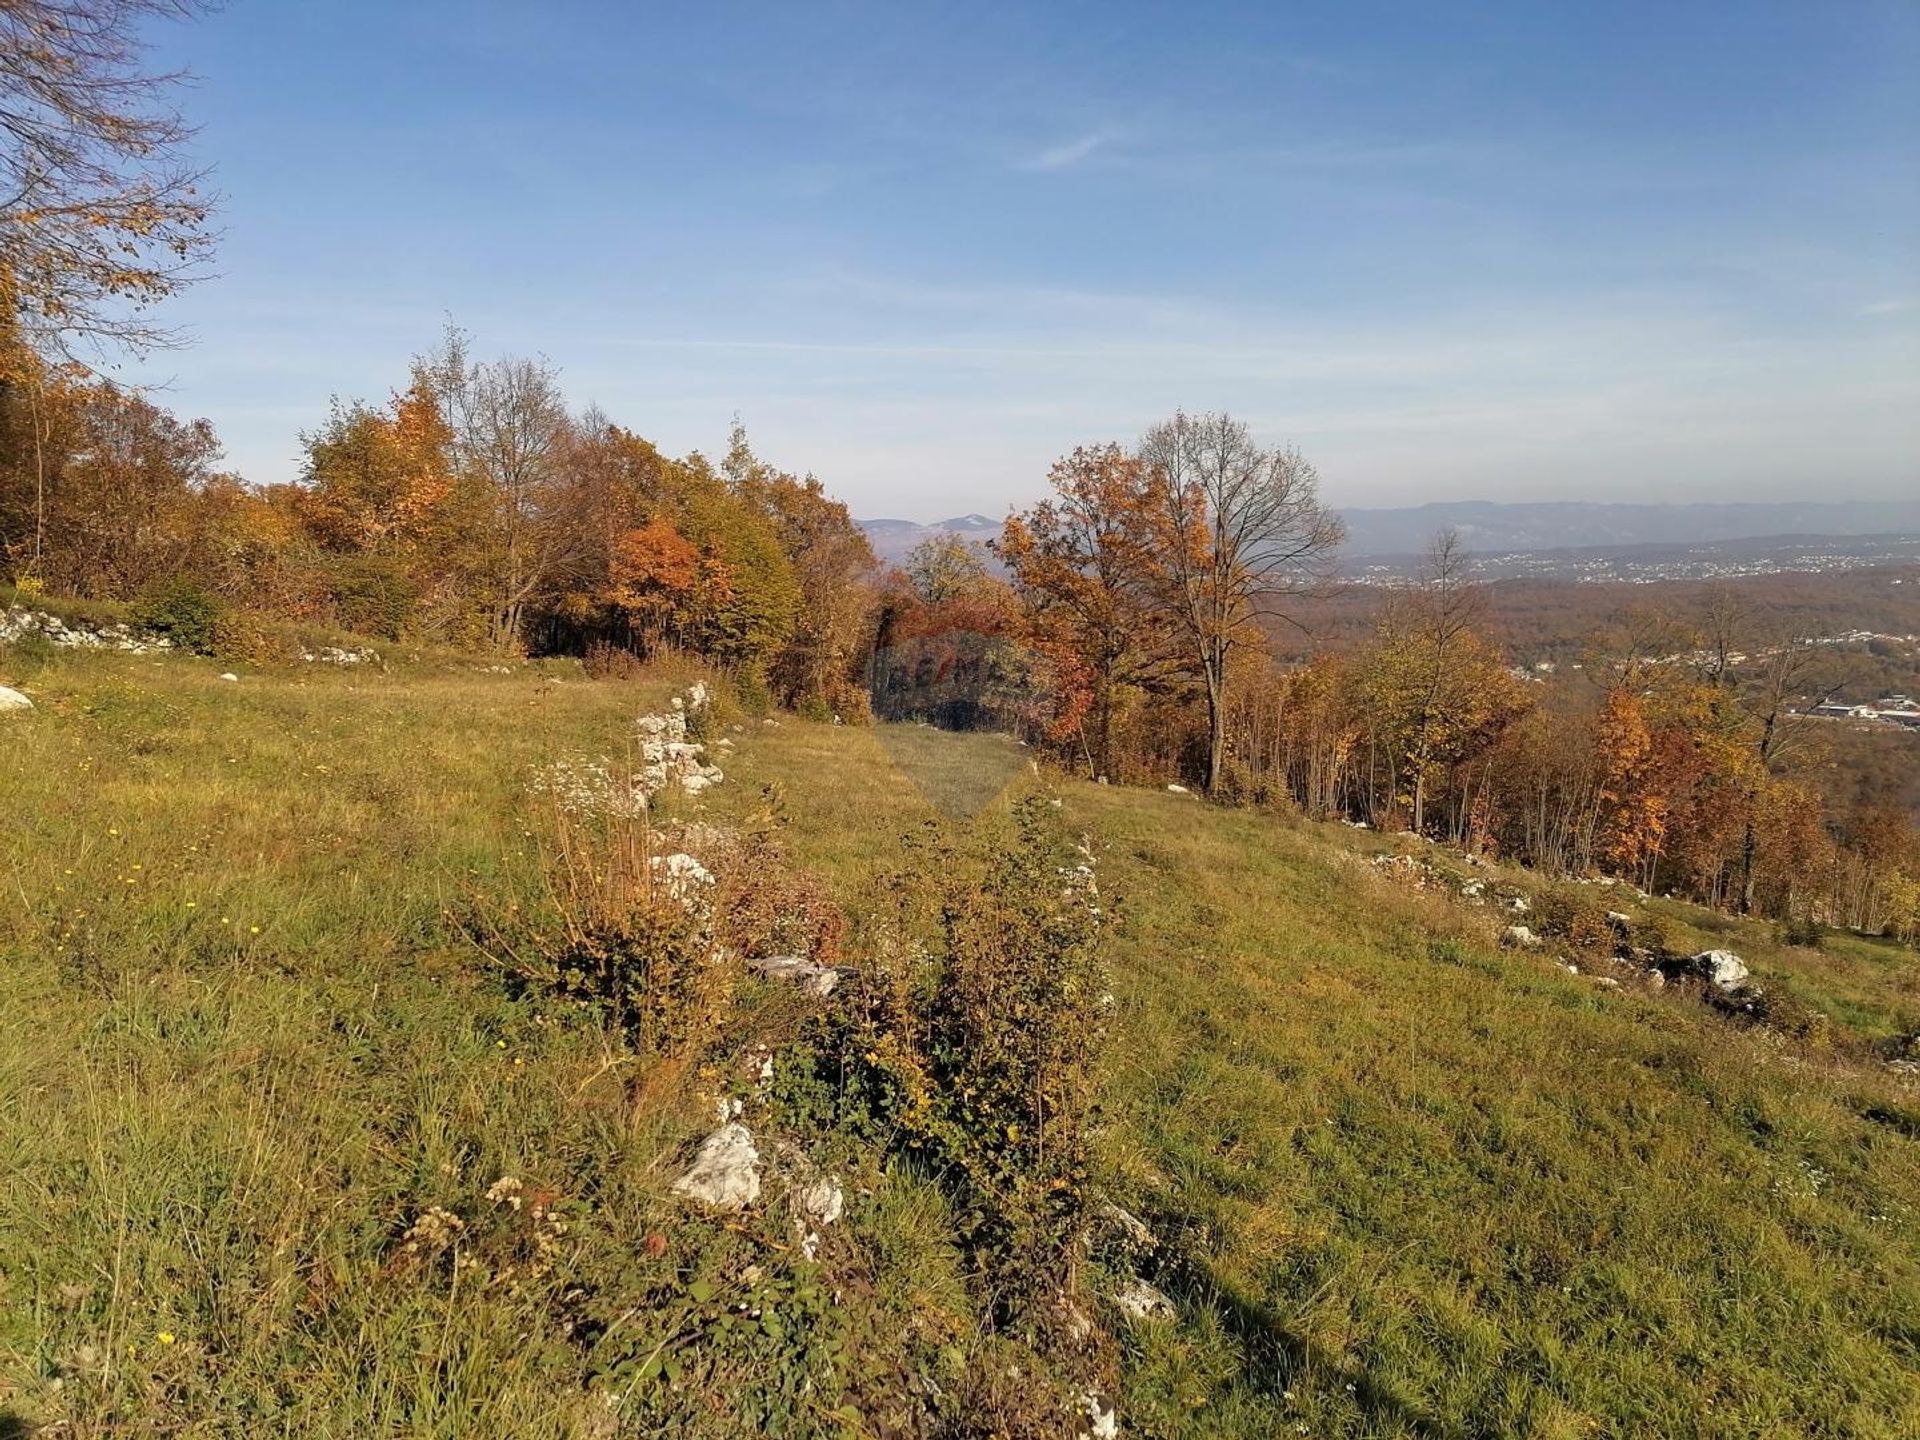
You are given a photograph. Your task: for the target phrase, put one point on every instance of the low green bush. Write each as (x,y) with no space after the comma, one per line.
(375,596)
(1802,930)
(182,611)
(1653,933)
(29,654)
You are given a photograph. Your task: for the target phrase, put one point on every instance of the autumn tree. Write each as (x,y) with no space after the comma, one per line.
(1317,727)
(1884,847)
(944,566)
(374,478)
(1634,811)
(746,599)
(385,491)
(653,571)
(1771,680)
(101,213)
(122,503)
(614,497)
(514,435)
(1241,531)
(1437,692)
(833,564)
(1085,567)
(947,642)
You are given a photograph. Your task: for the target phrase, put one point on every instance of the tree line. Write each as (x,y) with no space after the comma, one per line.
(472,509)
(1679,753)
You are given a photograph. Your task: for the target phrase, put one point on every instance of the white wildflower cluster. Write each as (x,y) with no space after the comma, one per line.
(17,624)
(590,787)
(505,1191)
(1079,884)
(434,1231)
(1808,1181)
(593,786)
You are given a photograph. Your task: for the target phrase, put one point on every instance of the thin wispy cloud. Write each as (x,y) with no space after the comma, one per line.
(905,263)
(1065,156)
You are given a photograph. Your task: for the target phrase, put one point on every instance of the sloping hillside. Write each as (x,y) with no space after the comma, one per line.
(291,1146)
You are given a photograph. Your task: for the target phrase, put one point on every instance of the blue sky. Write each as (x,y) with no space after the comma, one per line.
(1509,251)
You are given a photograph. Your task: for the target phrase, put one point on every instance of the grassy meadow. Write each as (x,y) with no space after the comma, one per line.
(1402,1182)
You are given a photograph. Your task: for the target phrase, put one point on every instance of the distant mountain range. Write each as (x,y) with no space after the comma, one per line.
(1492,526)
(893,540)
(1489,526)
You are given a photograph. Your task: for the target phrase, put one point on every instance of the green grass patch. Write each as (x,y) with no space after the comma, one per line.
(1403,1182)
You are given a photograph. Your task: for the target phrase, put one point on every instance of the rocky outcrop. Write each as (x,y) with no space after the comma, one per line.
(666,757)
(1138,1300)
(682,877)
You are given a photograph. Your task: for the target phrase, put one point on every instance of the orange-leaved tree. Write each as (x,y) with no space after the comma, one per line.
(1088,572)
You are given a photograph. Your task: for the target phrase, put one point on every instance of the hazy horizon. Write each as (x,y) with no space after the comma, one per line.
(1509,254)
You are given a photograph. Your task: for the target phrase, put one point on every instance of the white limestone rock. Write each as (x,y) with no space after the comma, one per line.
(1723,969)
(725,1175)
(808,975)
(1102,1423)
(1140,1301)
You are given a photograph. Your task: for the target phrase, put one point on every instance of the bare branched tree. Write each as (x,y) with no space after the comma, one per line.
(1246,533)
(101,214)
(515,435)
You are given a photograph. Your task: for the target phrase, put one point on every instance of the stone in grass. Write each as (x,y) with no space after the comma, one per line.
(820,1201)
(1130,1227)
(13,700)
(1101,1421)
(230,676)
(1523,937)
(808,975)
(817,1203)
(725,1175)
(1140,1301)
(1722,968)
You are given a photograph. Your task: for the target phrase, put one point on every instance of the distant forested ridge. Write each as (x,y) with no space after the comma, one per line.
(1489,525)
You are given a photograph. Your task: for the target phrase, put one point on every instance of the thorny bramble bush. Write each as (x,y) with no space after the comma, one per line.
(604,661)
(764,905)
